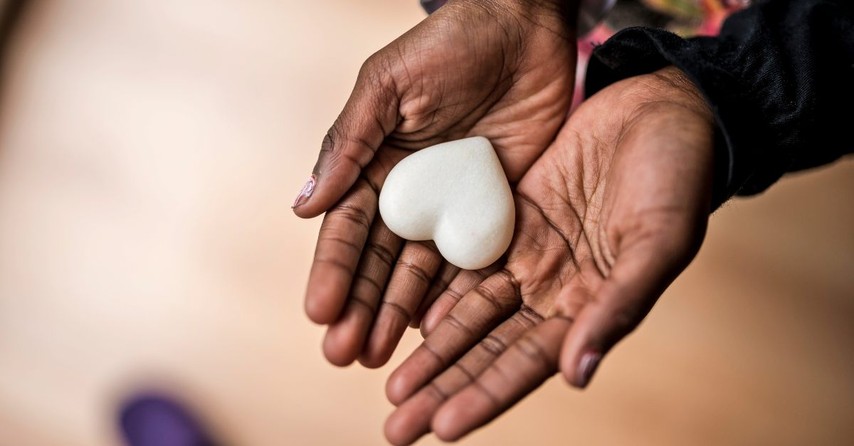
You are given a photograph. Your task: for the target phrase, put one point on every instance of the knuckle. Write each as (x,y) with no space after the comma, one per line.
(493,345)
(354,214)
(372,62)
(328,143)
(532,350)
(415,271)
(375,68)
(398,309)
(502,292)
(382,253)
(455,323)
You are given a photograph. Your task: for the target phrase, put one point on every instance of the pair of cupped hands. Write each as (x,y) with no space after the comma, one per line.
(612,203)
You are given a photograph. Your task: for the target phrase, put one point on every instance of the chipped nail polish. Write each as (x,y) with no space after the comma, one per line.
(586,367)
(305,192)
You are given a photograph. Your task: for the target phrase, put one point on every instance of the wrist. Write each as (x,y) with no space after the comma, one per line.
(585,14)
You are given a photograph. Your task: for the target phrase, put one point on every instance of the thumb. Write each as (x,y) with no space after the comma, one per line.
(638,278)
(370,114)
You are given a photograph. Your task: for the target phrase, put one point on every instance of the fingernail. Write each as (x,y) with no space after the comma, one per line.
(305,192)
(586,367)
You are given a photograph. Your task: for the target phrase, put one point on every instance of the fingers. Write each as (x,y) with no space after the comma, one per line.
(465,281)
(339,246)
(637,279)
(413,273)
(345,338)
(412,419)
(477,313)
(369,115)
(446,275)
(527,364)
(341,240)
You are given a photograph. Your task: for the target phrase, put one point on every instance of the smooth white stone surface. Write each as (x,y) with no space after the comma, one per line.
(457,195)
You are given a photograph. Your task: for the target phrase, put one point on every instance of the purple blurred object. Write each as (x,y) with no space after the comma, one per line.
(432,5)
(155,420)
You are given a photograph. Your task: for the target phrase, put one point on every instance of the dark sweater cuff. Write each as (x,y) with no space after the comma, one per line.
(778,79)
(636,51)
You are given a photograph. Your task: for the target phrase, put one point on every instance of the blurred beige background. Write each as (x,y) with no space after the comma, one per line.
(149,153)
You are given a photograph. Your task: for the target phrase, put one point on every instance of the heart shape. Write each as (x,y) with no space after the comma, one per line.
(456,194)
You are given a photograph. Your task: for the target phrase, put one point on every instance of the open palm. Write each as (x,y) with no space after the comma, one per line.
(606,219)
(500,70)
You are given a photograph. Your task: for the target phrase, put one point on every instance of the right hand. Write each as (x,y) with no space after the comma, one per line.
(606,219)
(503,70)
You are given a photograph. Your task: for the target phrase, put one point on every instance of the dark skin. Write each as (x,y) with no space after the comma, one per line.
(610,210)
(610,214)
(503,70)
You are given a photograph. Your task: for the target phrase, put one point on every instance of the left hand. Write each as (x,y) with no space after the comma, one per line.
(610,214)
(504,70)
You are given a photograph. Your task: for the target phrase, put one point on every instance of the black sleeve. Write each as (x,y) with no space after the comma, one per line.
(779,78)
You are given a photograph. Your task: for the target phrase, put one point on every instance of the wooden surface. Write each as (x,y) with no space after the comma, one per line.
(149,153)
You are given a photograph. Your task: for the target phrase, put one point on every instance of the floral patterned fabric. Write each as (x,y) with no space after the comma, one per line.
(684,17)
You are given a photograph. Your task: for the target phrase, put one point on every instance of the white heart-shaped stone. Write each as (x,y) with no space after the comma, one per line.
(457,195)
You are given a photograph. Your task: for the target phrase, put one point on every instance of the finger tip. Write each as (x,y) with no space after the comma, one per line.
(317,205)
(372,361)
(572,355)
(433,316)
(395,430)
(415,322)
(319,311)
(345,338)
(338,353)
(396,389)
(567,369)
(573,382)
(306,204)
(568,376)
(325,296)
(445,424)
(410,421)
(428,324)
(303,211)
(580,369)
(318,317)
(377,351)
